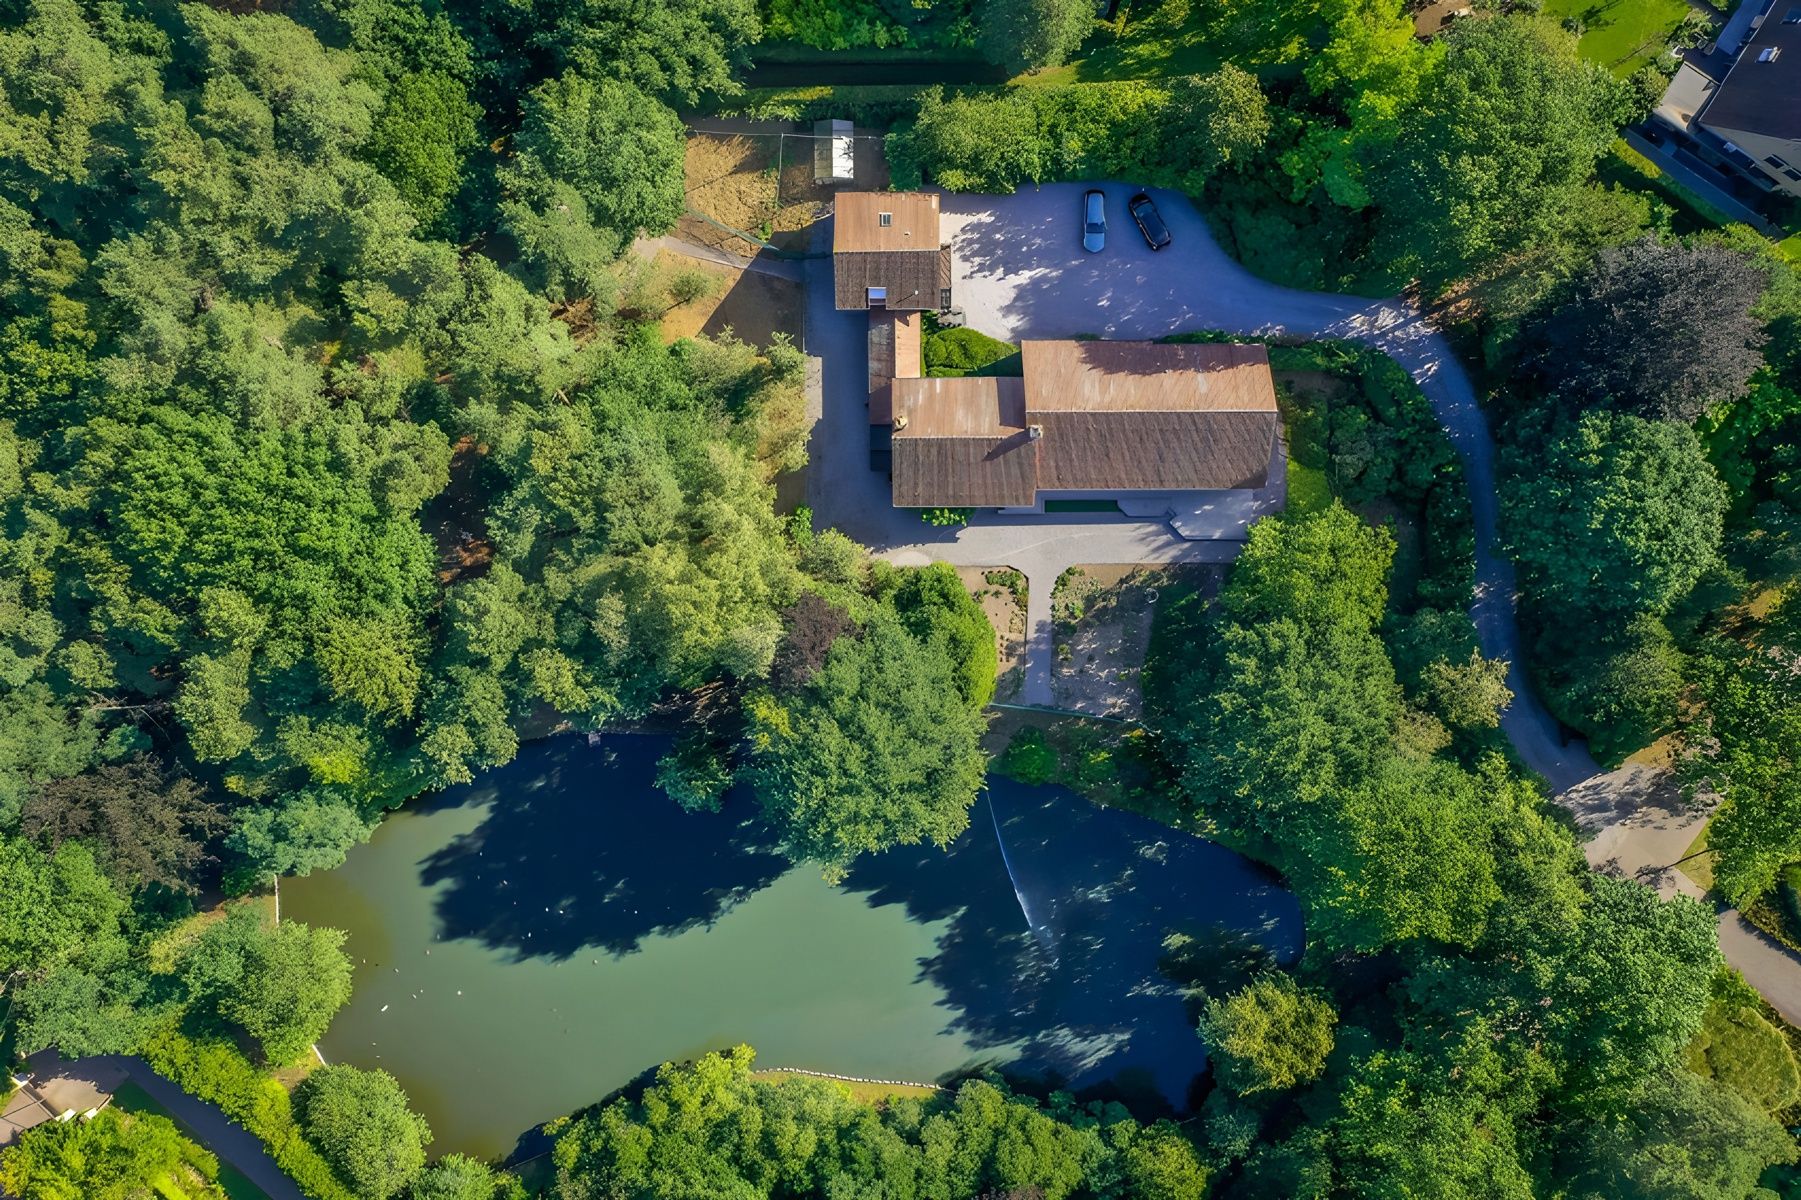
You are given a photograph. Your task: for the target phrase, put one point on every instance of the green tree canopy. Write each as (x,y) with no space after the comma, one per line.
(878,748)
(360,1122)
(110,1156)
(1023,35)
(281,984)
(1270,1035)
(1492,157)
(1616,516)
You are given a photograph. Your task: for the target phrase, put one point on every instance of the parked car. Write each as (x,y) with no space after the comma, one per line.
(1144,213)
(1094,221)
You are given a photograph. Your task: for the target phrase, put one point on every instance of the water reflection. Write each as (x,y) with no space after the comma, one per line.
(581,852)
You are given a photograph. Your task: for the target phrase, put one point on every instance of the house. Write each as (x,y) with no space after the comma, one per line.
(1735,109)
(886,253)
(1087,419)
(1755,111)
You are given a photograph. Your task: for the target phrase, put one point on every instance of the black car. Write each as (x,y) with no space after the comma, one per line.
(1144,214)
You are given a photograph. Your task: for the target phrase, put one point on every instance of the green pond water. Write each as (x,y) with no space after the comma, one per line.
(529,944)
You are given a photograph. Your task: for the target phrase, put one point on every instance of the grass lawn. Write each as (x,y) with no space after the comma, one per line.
(1699,869)
(1621,35)
(1308,490)
(133,1099)
(867,1093)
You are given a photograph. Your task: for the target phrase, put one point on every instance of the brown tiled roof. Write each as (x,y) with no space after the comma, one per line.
(857,226)
(905,256)
(1153,451)
(1113,416)
(1136,377)
(962,442)
(894,353)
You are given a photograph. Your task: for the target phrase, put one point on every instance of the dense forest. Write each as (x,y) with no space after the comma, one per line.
(338,451)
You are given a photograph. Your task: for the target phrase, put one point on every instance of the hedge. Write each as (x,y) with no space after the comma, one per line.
(216,1071)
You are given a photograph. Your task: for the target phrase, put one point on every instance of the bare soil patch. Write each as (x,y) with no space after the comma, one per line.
(1002,593)
(760,187)
(1101,615)
(753,306)
(457,518)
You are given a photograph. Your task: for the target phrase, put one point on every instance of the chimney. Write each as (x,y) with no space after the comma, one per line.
(1034,432)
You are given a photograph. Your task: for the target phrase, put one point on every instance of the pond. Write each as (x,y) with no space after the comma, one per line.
(528,944)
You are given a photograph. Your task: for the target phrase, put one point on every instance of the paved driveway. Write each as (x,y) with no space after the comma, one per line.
(1021,272)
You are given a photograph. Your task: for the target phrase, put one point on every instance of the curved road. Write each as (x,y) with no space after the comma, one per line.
(1020,272)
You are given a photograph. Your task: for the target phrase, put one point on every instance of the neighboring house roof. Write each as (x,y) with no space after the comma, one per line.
(1437,16)
(1761,94)
(962,442)
(1090,416)
(1686,96)
(904,256)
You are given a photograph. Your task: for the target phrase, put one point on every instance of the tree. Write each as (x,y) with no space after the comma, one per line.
(1617,516)
(51,906)
(1270,1035)
(1468,695)
(971,144)
(877,749)
(617,148)
(110,1156)
(1491,159)
(1213,121)
(360,1123)
(1680,1136)
(145,827)
(1663,330)
(1624,691)
(420,138)
(280,984)
(1024,35)
(459,1177)
(1741,1050)
(940,612)
(1632,987)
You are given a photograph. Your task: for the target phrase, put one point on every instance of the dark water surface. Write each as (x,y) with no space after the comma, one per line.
(527,944)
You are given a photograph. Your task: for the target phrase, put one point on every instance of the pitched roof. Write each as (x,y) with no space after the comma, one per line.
(1071,376)
(1111,416)
(894,353)
(962,442)
(1763,95)
(857,226)
(904,256)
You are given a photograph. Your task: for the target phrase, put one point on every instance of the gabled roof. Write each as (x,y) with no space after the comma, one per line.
(1762,92)
(903,256)
(857,222)
(962,442)
(1087,416)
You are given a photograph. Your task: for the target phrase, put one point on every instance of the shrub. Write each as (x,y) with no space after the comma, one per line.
(946,516)
(1028,758)
(961,351)
(216,1071)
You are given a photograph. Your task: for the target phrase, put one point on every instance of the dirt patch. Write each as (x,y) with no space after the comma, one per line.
(746,188)
(754,306)
(1101,624)
(457,518)
(1002,593)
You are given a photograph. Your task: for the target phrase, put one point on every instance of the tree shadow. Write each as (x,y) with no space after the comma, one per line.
(1053,953)
(581,851)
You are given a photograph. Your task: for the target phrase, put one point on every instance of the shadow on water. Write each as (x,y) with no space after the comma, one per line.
(559,866)
(1128,921)
(579,851)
